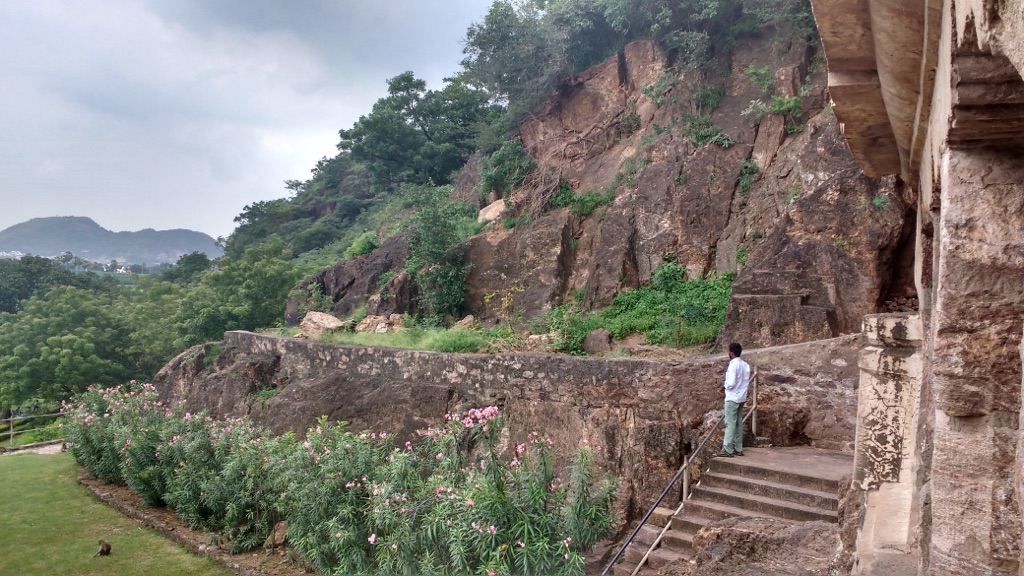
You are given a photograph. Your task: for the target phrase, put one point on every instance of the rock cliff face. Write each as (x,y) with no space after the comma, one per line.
(811,237)
(642,416)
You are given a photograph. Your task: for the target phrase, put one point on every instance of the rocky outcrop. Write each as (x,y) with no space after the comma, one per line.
(641,415)
(813,239)
(350,283)
(747,546)
(827,263)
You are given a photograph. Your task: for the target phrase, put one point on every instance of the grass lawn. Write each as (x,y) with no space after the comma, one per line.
(49,525)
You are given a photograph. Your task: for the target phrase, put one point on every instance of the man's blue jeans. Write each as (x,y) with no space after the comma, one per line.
(733,427)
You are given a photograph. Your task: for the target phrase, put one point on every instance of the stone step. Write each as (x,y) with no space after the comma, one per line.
(660,516)
(661,557)
(688,523)
(698,510)
(656,559)
(679,541)
(634,553)
(779,491)
(763,505)
(647,534)
(754,469)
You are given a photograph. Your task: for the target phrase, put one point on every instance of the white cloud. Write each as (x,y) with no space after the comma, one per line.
(177,113)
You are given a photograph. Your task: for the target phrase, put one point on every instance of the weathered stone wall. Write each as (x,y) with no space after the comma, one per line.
(975,371)
(642,415)
(932,90)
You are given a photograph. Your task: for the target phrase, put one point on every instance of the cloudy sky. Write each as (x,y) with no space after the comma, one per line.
(177,113)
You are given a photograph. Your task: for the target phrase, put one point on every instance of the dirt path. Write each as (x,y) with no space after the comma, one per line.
(53,447)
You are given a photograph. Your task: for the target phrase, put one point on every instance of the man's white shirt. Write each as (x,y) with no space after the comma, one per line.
(737,380)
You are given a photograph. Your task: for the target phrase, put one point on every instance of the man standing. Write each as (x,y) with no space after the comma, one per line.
(737,381)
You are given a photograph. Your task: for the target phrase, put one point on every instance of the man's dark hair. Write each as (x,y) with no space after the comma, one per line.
(736,349)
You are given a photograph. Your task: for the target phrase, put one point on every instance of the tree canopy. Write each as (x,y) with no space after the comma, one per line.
(417,135)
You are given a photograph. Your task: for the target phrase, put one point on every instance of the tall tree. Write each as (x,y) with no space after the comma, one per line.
(61,343)
(414,134)
(246,294)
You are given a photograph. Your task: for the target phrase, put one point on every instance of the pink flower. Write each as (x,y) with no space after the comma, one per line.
(372,538)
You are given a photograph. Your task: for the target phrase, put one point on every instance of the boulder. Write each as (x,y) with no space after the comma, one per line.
(278,536)
(598,342)
(314,324)
(375,324)
(466,323)
(492,211)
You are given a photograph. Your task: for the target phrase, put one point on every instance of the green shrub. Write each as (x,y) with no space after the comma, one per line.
(630,121)
(631,168)
(707,97)
(580,204)
(357,504)
(755,111)
(748,171)
(762,77)
(51,431)
(506,168)
(789,107)
(363,244)
(741,255)
(673,310)
(657,91)
(700,130)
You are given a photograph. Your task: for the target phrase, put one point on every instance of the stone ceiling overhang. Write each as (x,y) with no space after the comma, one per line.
(882,61)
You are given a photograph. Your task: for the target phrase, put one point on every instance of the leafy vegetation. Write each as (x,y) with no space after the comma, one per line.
(748,172)
(672,310)
(788,107)
(435,231)
(762,77)
(363,244)
(580,204)
(506,168)
(355,503)
(417,135)
(701,130)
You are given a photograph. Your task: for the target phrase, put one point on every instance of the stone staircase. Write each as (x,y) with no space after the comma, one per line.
(793,483)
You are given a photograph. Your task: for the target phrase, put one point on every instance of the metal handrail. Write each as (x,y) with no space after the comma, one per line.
(684,473)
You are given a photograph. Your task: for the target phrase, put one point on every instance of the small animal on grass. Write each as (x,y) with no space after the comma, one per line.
(104,549)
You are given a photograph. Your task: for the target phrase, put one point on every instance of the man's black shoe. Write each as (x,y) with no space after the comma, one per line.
(740,453)
(722,454)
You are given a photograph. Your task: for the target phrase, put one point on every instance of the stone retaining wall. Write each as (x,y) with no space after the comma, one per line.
(641,415)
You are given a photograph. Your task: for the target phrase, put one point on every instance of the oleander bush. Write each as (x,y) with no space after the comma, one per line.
(357,504)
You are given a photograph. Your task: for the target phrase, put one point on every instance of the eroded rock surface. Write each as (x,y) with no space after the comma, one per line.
(761,547)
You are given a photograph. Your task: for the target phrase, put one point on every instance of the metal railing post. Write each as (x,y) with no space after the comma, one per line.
(686,477)
(753,416)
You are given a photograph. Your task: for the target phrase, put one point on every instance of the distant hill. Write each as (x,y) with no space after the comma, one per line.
(86,239)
